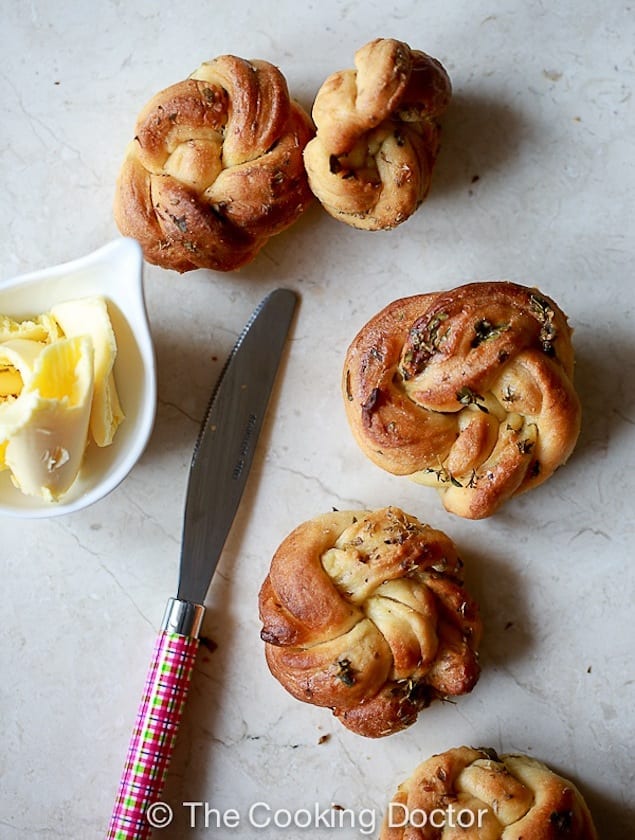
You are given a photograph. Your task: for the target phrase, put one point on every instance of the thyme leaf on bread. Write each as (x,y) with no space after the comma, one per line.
(466,396)
(424,341)
(484,330)
(345,672)
(545,316)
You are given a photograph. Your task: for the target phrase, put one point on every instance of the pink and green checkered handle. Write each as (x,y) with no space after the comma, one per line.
(154,734)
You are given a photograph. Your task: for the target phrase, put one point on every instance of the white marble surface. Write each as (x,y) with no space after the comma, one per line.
(543,114)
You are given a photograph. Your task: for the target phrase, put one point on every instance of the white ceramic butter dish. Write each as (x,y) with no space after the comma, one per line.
(115,273)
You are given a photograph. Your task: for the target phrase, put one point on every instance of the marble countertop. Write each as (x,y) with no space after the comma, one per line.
(535,183)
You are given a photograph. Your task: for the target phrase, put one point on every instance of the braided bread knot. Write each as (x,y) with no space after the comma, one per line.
(370,164)
(469,391)
(215,168)
(364,612)
(483,796)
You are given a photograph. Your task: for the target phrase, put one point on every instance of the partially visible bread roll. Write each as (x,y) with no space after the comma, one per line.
(469,391)
(475,794)
(370,164)
(365,612)
(215,168)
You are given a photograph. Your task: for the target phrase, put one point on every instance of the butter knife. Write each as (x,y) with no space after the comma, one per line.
(220,465)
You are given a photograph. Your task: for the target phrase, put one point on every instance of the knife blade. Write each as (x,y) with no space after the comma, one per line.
(221,461)
(225,448)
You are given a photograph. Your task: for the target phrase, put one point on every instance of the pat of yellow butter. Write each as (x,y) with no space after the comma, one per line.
(46,427)
(90,315)
(40,328)
(57,391)
(17,358)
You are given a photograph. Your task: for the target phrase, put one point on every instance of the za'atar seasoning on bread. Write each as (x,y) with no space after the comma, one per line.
(370,163)
(476,794)
(365,613)
(215,168)
(469,391)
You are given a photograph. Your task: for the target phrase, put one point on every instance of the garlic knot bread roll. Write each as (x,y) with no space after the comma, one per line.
(469,391)
(476,794)
(215,168)
(370,164)
(364,612)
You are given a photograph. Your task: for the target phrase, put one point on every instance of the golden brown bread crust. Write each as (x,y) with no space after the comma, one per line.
(215,168)
(364,612)
(469,391)
(487,797)
(370,164)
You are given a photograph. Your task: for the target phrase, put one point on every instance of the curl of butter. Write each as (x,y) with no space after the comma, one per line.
(57,390)
(77,317)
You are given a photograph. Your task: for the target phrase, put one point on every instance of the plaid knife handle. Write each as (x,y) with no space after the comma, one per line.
(137,809)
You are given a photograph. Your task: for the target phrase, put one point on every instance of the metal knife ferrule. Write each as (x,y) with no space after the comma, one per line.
(183,618)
